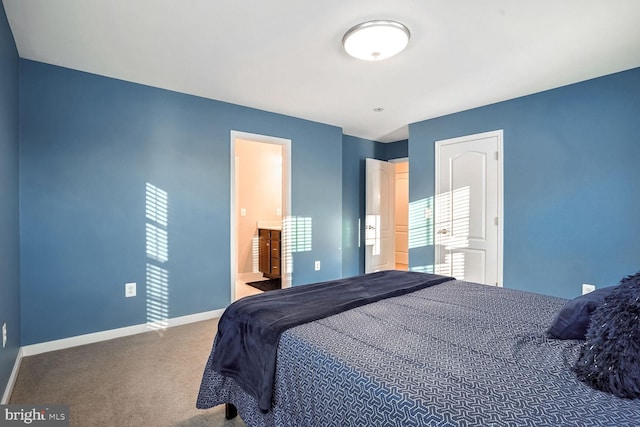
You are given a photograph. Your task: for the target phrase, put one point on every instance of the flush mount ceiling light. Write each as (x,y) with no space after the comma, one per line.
(376,40)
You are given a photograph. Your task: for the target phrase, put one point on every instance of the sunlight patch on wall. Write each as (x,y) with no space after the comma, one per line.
(449,217)
(421,223)
(300,231)
(156,205)
(157,243)
(157,250)
(452,226)
(255,253)
(422,268)
(297,236)
(157,297)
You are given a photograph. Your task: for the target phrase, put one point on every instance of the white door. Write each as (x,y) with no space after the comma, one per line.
(468,208)
(379,235)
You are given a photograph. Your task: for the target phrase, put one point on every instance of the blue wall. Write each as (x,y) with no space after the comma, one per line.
(88,147)
(9,223)
(395,150)
(571,173)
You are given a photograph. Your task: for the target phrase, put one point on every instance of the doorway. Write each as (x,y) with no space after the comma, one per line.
(386,215)
(260,199)
(402,213)
(468,208)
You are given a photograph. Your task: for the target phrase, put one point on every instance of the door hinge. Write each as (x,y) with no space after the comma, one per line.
(497,154)
(495,220)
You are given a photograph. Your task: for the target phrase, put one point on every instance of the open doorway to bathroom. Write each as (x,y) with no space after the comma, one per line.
(260,200)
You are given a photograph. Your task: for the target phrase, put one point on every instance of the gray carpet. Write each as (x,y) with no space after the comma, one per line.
(149,379)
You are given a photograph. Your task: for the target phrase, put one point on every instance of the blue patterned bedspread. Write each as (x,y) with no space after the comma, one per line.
(249,330)
(456,354)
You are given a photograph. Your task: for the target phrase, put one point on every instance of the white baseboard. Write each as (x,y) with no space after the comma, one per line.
(12,379)
(61,344)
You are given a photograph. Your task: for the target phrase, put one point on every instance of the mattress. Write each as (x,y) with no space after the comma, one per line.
(455,354)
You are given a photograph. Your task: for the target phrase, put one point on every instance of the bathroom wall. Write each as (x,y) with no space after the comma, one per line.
(259,195)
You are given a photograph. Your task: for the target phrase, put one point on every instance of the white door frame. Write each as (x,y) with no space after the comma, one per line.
(500,156)
(286,260)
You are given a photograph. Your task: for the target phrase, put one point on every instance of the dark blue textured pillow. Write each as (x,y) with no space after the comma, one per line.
(572,322)
(610,357)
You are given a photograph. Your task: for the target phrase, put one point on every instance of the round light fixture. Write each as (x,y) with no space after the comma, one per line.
(376,40)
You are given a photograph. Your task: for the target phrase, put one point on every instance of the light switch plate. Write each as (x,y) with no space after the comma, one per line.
(130,290)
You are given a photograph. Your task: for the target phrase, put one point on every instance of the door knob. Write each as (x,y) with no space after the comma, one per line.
(443,231)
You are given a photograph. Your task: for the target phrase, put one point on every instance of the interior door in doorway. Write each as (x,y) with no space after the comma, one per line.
(468,208)
(379,216)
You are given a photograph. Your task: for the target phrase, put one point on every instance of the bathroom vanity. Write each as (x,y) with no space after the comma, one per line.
(269,252)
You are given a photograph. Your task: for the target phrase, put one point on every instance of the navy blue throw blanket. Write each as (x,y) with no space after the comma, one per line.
(249,330)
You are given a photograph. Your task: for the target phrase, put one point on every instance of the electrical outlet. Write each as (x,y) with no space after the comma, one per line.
(317,266)
(586,288)
(129,290)
(4,334)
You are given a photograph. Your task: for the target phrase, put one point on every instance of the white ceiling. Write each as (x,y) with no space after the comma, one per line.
(286,56)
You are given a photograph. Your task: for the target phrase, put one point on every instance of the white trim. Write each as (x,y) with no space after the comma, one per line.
(12,379)
(63,343)
(286,201)
(500,206)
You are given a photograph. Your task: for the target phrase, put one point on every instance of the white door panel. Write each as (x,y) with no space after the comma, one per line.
(468,207)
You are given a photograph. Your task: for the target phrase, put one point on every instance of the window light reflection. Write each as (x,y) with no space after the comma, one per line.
(452,231)
(157,250)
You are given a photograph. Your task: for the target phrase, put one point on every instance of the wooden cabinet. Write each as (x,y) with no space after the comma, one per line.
(269,252)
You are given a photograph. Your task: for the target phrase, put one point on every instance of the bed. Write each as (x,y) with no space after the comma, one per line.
(451,354)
